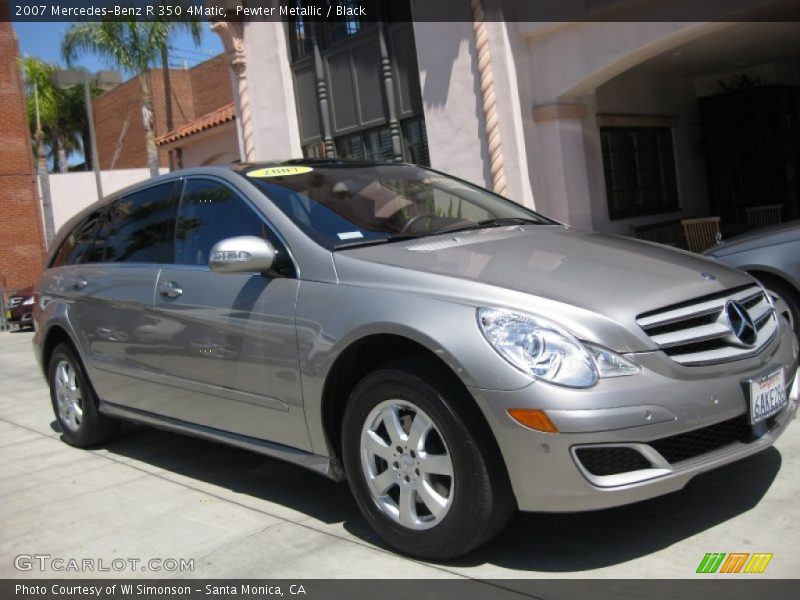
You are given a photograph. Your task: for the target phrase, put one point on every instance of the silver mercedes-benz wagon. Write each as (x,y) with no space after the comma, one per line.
(450,353)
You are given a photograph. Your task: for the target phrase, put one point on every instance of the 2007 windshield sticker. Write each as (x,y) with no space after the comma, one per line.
(279,171)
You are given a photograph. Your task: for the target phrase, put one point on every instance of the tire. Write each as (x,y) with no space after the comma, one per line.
(75,403)
(443,515)
(785,298)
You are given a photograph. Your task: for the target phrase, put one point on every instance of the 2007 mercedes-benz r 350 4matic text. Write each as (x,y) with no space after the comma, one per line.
(455,356)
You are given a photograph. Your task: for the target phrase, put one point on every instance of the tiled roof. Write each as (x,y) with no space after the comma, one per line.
(216,117)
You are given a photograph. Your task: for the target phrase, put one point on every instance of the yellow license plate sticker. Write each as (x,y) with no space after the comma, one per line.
(279,171)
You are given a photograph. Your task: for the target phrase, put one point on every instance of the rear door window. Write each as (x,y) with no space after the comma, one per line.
(75,247)
(138,227)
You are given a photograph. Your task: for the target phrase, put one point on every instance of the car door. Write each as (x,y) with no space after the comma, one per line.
(114,311)
(228,346)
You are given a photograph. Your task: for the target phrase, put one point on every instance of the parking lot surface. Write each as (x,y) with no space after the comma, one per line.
(157,495)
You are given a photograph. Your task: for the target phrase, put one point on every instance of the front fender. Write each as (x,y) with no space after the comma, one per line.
(331,317)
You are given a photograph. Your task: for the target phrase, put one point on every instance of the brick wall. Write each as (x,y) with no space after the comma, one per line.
(211,85)
(21,232)
(195,92)
(112,111)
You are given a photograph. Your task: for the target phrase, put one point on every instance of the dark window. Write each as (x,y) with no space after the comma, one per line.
(416,141)
(341,27)
(210,212)
(300,34)
(138,228)
(367,145)
(334,28)
(639,166)
(74,247)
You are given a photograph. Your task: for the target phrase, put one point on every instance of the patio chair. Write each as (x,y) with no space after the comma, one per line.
(701,233)
(669,233)
(761,216)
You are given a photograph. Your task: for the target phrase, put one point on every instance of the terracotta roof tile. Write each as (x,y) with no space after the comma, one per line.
(215,117)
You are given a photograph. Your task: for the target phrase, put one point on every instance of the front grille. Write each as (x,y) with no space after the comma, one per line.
(698,333)
(15,301)
(691,444)
(611,460)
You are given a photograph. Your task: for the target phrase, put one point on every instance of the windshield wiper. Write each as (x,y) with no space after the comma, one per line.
(395,237)
(491,223)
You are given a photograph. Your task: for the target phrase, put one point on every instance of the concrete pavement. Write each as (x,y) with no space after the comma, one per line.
(153,494)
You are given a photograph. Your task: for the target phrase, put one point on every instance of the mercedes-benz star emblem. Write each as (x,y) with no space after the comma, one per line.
(708,276)
(740,323)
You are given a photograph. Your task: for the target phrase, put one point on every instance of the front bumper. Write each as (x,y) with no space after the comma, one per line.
(20,316)
(664,401)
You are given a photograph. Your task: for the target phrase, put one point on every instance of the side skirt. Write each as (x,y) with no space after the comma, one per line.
(322,465)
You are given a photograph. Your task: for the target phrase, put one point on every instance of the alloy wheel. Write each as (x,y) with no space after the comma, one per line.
(406,464)
(68,396)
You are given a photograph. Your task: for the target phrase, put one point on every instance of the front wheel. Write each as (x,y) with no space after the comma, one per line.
(421,466)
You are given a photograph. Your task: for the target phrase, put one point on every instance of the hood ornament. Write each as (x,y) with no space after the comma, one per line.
(740,323)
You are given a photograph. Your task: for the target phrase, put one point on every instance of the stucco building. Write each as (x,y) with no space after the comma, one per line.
(602,125)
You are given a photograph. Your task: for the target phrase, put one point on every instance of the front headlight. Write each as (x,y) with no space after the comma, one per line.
(546,351)
(28,301)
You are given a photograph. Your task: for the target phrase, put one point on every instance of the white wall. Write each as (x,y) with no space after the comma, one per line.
(216,146)
(569,60)
(271,91)
(453,104)
(71,192)
(453,112)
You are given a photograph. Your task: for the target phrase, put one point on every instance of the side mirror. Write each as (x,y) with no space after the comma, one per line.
(244,254)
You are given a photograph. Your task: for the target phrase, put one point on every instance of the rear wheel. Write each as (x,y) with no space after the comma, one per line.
(74,401)
(424,475)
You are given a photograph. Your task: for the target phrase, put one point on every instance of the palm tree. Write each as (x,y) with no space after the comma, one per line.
(57,117)
(73,112)
(134,46)
(70,124)
(42,108)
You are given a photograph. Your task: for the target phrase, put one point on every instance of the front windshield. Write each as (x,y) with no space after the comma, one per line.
(350,204)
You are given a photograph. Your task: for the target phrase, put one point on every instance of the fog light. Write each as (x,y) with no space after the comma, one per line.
(533,419)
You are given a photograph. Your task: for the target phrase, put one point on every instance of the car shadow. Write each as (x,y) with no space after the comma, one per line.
(553,543)
(568,542)
(236,470)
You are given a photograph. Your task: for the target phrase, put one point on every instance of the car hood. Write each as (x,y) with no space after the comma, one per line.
(759,238)
(23,293)
(613,276)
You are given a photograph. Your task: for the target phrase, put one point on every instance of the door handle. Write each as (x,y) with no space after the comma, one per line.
(79,283)
(170,289)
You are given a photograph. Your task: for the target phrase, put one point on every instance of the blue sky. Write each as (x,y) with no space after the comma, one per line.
(43,40)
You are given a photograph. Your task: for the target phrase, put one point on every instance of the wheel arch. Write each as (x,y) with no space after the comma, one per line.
(767,273)
(55,335)
(369,352)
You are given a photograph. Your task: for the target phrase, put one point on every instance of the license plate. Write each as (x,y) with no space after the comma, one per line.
(8,314)
(767,396)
